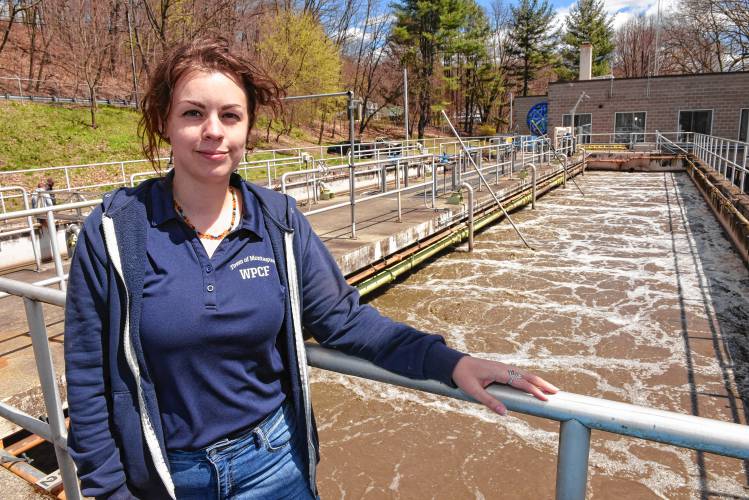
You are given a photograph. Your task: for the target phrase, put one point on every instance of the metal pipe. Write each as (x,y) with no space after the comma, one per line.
(572,460)
(352,185)
(678,429)
(45,282)
(743,170)
(26,290)
(43,210)
(367,198)
(30,223)
(21,468)
(405,100)
(488,187)
(52,228)
(469,188)
(533,185)
(398,187)
(434,183)
(315,96)
(48,379)
(31,424)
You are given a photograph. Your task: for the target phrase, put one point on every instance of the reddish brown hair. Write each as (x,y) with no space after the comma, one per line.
(206,54)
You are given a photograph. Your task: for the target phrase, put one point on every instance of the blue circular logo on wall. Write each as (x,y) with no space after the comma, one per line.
(537,117)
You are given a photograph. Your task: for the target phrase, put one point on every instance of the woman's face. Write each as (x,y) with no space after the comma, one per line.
(207,126)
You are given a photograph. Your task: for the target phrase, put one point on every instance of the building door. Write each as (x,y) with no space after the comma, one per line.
(697,120)
(744,126)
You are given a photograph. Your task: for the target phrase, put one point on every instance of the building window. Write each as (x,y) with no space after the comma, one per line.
(629,127)
(744,125)
(583,125)
(696,120)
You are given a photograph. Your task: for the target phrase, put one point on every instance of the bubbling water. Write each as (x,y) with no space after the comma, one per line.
(633,294)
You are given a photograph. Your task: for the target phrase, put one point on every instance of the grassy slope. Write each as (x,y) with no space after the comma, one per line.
(35,135)
(41,135)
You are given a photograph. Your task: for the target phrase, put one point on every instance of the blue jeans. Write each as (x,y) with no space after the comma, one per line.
(267,462)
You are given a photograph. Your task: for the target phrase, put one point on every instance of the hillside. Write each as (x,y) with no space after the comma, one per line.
(41,135)
(35,135)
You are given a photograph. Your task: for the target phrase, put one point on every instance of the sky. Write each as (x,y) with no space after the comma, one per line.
(621,10)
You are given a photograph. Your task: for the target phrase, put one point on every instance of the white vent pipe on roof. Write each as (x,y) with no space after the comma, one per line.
(586,61)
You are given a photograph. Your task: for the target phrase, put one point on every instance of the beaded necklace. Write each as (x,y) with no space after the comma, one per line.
(207,236)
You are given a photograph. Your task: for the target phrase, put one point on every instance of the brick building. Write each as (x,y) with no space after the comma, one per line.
(714,103)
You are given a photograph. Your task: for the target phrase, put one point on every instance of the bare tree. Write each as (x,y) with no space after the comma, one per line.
(82,28)
(732,17)
(14,9)
(494,86)
(375,73)
(694,38)
(635,48)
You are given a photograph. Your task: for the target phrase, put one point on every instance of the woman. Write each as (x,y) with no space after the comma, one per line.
(187,300)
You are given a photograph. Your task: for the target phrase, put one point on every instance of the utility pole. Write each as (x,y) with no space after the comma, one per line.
(405,100)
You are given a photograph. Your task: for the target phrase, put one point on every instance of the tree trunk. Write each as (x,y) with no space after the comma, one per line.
(92,95)
(11,20)
(423,113)
(32,49)
(322,130)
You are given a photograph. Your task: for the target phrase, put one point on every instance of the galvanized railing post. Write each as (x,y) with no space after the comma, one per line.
(434,183)
(572,460)
(398,187)
(735,160)
(59,270)
(48,380)
(469,188)
(745,165)
(352,181)
(268,173)
(36,246)
(67,179)
(533,185)
(480,164)
(496,166)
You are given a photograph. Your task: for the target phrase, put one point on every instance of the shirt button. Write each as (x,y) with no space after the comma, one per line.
(208,269)
(209,288)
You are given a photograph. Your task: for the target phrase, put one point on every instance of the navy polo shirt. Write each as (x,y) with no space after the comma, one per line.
(209,325)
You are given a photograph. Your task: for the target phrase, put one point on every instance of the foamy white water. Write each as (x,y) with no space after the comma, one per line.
(634,294)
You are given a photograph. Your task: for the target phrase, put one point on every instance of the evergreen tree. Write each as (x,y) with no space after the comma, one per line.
(587,21)
(467,63)
(423,31)
(531,37)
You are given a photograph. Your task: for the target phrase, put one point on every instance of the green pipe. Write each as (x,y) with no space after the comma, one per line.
(391,273)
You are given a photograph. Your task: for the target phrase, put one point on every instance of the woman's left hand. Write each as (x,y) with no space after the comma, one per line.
(472,375)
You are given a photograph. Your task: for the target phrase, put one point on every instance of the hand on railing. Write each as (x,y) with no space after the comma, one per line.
(473,375)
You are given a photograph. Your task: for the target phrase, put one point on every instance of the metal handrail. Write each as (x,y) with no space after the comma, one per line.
(710,149)
(577,414)
(317,170)
(29,223)
(54,429)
